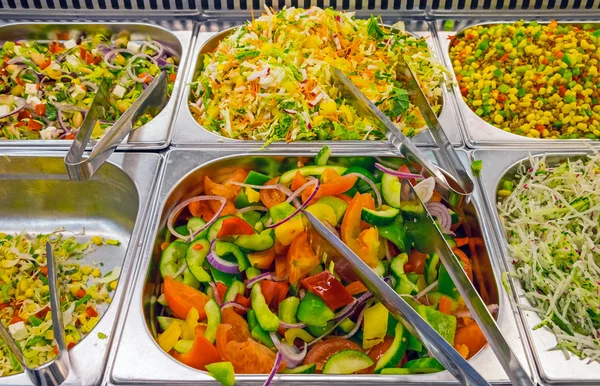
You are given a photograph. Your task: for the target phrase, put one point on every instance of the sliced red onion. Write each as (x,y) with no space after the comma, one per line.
(91,85)
(214,287)
(175,212)
(234,305)
(292,325)
(358,323)
(110,54)
(154,46)
(219,263)
(18,101)
(256,279)
(397,173)
(292,356)
(299,209)
(279,187)
(274,369)
(290,111)
(441,212)
(346,311)
(129,65)
(301,189)
(257,208)
(16,60)
(372,185)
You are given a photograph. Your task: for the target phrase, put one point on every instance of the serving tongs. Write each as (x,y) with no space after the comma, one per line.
(401,310)
(56,371)
(154,97)
(456,185)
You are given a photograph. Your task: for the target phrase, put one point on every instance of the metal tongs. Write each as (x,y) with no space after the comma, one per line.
(57,370)
(456,186)
(78,168)
(400,309)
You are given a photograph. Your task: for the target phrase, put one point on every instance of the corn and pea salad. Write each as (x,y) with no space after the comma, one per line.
(531,79)
(25,298)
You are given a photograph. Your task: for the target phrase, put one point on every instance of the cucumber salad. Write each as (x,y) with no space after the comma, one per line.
(25,296)
(551,215)
(46,87)
(270,79)
(243,290)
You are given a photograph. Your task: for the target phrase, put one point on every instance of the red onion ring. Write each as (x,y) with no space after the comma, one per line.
(257,208)
(158,48)
(398,174)
(108,56)
(175,212)
(301,189)
(441,212)
(219,263)
(358,323)
(18,101)
(292,357)
(217,297)
(256,279)
(234,305)
(372,185)
(129,69)
(292,325)
(274,369)
(299,209)
(279,187)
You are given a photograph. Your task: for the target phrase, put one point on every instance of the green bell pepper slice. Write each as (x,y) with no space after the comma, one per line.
(397,234)
(267,320)
(288,309)
(224,248)
(313,311)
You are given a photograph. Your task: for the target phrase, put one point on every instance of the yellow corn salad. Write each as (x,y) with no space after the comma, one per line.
(535,80)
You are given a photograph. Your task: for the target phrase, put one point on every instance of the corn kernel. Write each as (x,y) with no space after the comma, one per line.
(113,285)
(96,272)
(97,240)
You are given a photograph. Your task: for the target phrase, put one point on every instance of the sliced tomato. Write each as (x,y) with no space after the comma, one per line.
(416,262)
(234,226)
(24,114)
(365,243)
(250,357)
(172,77)
(298,181)
(262,259)
(56,47)
(40,109)
(271,197)
(322,351)
(212,188)
(281,269)
(328,288)
(240,331)
(466,262)
(301,259)
(242,300)
(274,292)
(333,185)
(377,352)
(201,209)
(181,298)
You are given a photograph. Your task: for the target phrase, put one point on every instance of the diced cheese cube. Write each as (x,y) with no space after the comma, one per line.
(33,100)
(31,89)
(18,330)
(49,132)
(70,44)
(119,91)
(4,109)
(131,46)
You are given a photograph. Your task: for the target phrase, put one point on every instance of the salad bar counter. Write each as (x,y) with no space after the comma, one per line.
(191,255)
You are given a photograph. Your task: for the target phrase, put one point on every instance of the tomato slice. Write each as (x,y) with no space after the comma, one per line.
(235,226)
(333,185)
(271,197)
(250,357)
(328,288)
(40,109)
(301,258)
(416,262)
(274,292)
(322,351)
(201,354)
(298,181)
(262,259)
(365,243)
(181,298)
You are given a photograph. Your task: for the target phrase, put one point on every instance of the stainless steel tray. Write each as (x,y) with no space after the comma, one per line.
(478,132)
(135,341)
(551,364)
(156,133)
(37,196)
(188,132)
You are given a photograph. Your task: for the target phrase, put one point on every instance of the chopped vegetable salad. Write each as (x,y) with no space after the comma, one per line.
(551,215)
(245,288)
(46,87)
(25,298)
(270,79)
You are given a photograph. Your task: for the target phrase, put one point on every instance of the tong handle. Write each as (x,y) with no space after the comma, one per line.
(401,310)
(154,96)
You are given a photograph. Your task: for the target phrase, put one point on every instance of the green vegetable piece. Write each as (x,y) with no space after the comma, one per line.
(390,189)
(165,322)
(347,362)
(213,313)
(288,176)
(288,309)
(262,336)
(236,288)
(313,311)
(446,285)
(445,325)
(304,369)
(214,229)
(361,185)
(257,242)
(281,211)
(339,206)
(476,167)
(194,258)
(113,242)
(449,25)
(225,249)
(102,336)
(424,365)
(222,277)
(255,178)
(323,156)
(397,234)
(393,356)
(183,346)
(252,272)
(267,320)
(222,372)
(382,217)
(431,270)
(194,224)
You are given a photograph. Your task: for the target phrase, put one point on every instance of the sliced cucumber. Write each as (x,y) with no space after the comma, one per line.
(395,371)
(380,269)
(305,369)
(255,178)
(339,206)
(162,300)
(288,176)
(214,229)
(347,362)
(395,353)
(390,188)
(194,224)
(382,217)
(361,185)
(236,288)
(323,156)
(165,322)
(213,312)
(431,267)
(256,242)
(195,256)
(183,346)
(397,265)
(424,365)
(172,259)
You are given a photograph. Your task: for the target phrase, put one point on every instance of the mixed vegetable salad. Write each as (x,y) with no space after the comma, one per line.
(46,87)
(25,296)
(531,79)
(270,79)
(551,214)
(244,290)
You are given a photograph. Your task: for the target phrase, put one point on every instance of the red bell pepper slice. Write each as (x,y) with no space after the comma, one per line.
(201,354)
(328,288)
(274,292)
(235,226)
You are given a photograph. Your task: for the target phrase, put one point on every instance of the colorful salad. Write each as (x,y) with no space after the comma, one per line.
(244,291)
(46,87)
(551,215)
(535,80)
(25,298)
(270,79)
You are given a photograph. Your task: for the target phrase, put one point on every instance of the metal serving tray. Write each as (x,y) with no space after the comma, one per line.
(478,132)
(156,133)
(180,177)
(551,364)
(37,196)
(188,132)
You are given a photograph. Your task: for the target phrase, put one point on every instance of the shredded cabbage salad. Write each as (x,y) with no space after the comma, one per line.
(25,298)
(552,221)
(46,87)
(270,79)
